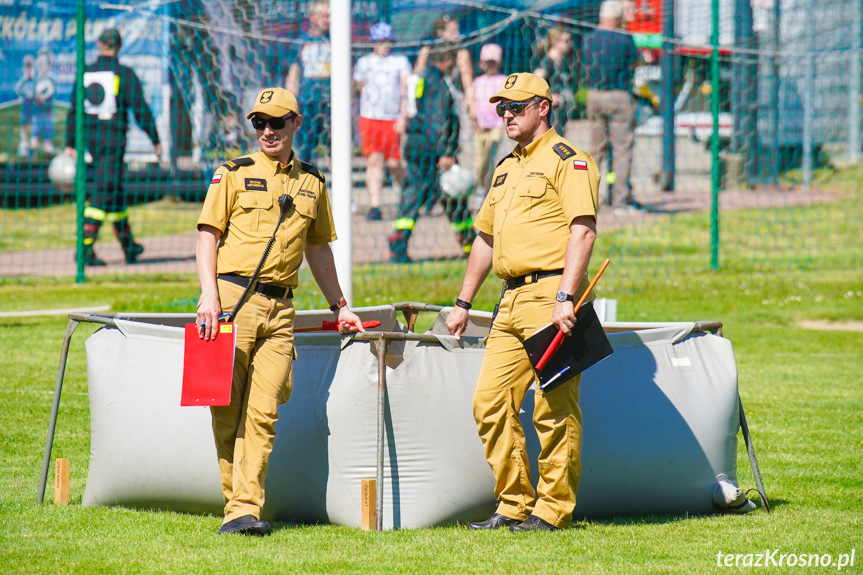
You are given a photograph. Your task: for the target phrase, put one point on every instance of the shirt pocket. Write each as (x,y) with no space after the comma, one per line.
(496,195)
(532,194)
(306,207)
(255,207)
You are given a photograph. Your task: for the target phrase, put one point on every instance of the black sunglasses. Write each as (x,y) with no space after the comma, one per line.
(516,108)
(275,123)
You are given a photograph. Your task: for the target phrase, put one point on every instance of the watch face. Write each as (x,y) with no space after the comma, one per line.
(562,296)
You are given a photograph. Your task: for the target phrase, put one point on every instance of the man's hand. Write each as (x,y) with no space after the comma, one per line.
(158,150)
(445,162)
(563,316)
(208,314)
(348,321)
(399,126)
(456,321)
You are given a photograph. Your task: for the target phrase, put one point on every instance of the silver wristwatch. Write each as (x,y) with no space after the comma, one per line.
(562,296)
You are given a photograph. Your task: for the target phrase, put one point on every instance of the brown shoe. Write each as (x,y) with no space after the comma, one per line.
(533,523)
(496,521)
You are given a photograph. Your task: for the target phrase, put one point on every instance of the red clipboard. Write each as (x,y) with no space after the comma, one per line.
(208,367)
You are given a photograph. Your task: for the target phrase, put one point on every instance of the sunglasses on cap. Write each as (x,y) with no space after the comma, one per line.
(516,108)
(275,123)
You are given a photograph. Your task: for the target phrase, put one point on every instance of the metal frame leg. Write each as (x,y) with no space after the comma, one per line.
(750,448)
(382,390)
(55,407)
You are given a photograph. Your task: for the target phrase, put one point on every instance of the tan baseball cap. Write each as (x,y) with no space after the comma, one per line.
(275,102)
(522,86)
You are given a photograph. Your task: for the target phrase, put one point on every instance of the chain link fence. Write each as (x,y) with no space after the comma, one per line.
(777,82)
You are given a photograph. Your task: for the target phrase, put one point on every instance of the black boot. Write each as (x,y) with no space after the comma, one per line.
(399,247)
(91,232)
(124,234)
(90,258)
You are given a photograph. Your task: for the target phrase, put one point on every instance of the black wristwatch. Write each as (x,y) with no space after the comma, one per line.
(562,296)
(337,306)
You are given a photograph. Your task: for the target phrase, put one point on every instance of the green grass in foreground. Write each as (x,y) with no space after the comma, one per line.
(801,389)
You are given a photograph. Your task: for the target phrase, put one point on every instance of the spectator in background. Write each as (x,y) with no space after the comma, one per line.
(431,149)
(446,29)
(610,58)
(489,127)
(42,135)
(113,90)
(26,90)
(380,79)
(309,80)
(560,67)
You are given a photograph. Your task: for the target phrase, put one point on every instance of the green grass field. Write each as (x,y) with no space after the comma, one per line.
(802,389)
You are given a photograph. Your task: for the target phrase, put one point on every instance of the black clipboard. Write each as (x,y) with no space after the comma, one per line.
(586,345)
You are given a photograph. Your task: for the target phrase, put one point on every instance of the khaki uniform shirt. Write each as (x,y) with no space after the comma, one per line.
(536,192)
(243,203)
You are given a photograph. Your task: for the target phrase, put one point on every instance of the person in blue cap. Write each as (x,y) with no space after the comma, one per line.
(381,78)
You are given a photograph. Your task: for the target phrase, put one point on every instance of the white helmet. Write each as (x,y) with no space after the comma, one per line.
(457,182)
(61,172)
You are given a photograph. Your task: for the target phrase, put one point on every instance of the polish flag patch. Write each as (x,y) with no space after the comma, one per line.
(218,178)
(579,164)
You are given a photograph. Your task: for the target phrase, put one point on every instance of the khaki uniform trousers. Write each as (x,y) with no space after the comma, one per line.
(244,431)
(612,113)
(505,376)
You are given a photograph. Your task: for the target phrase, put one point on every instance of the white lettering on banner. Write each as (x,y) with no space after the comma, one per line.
(34,29)
(773,558)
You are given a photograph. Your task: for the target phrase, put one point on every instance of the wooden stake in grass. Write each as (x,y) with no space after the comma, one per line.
(369,496)
(61,482)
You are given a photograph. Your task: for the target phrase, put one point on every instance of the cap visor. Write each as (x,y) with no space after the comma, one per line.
(270,110)
(514,95)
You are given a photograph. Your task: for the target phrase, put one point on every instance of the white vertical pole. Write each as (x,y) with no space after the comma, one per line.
(808,92)
(340,126)
(854,92)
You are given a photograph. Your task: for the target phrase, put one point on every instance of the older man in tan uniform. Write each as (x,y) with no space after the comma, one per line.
(536,229)
(240,214)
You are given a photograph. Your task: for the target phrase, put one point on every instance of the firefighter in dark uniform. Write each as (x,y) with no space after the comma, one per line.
(238,219)
(111,91)
(536,230)
(432,143)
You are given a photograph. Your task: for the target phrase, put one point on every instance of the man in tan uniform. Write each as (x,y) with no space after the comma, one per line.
(239,217)
(536,229)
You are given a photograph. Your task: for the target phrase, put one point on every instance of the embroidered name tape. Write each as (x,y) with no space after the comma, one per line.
(253,184)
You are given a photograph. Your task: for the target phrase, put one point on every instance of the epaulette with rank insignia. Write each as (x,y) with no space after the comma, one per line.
(563,150)
(310,169)
(509,155)
(234,164)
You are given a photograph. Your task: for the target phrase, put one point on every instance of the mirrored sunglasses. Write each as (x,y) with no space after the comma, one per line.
(275,123)
(515,108)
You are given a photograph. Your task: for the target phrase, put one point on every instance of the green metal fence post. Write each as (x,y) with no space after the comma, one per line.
(714,139)
(81,166)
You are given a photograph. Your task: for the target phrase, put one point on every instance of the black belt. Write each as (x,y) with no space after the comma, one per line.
(270,290)
(517,282)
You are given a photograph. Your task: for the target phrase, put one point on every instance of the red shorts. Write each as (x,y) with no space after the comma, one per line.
(378,136)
